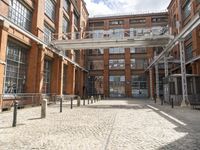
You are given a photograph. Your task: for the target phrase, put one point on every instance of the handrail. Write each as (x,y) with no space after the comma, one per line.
(113,34)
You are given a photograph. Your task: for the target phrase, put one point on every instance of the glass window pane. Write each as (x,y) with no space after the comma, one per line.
(20,14)
(15,76)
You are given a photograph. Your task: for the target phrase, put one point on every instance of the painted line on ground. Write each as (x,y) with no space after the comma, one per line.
(176,120)
(169,116)
(154,108)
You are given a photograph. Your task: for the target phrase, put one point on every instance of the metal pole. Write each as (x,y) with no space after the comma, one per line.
(185,101)
(71,103)
(84,100)
(88,100)
(172,101)
(151,83)
(166,85)
(15,114)
(61,102)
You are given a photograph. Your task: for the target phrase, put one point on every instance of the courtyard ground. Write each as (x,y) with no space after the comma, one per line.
(121,124)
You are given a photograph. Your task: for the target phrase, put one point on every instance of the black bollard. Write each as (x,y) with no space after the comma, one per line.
(162,101)
(71,103)
(15,114)
(88,100)
(84,101)
(172,102)
(61,101)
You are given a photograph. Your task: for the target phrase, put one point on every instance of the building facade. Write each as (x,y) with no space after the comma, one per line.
(28,64)
(180,14)
(119,72)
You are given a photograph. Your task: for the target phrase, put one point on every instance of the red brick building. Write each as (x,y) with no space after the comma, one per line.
(28,64)
(180,13)
(119,72)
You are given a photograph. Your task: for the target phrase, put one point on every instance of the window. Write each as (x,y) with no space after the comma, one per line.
(65,77)
(15,69)
(137,21)
(20,14)
(96,24)
(47,77)
(77,56)
(138,63)
(66,5)
(76,20)
(117,64)
(97,34)
(116,50)
(96,52)
(117,86)
(65,25)
(48,33)
(95,85)
(50,9)
(188,52)
(139,31)
(138,50)
(159,19)
(139,86)
(116,22)
(116,33)
(96,65)
(186,9)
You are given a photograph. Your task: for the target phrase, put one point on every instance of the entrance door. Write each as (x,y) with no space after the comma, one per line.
(117,86)
(139,86)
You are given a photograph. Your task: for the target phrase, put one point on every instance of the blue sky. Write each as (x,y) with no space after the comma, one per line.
(109,7)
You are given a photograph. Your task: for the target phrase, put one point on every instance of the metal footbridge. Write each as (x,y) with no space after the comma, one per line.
(147,37)
(154,37)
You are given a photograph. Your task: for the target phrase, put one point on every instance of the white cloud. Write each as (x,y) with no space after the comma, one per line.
(108,7)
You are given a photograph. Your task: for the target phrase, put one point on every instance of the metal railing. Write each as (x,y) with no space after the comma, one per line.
(113,34)
(25,99)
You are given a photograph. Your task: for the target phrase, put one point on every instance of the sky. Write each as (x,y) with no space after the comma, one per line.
(110,7)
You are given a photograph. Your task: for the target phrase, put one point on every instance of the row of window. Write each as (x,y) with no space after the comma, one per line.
(21,14)
(16,70)
(132,21)
(117,64)
(133,50)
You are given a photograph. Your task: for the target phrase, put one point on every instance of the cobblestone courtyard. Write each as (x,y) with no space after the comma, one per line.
(106,125)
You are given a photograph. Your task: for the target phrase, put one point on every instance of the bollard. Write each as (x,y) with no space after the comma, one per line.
(71,103)
(44,108)
(92,99)
(15,114)
(88,100)
(84,101)
(162,101)
(99,97)
(61,102)
(79,101)
(172,102)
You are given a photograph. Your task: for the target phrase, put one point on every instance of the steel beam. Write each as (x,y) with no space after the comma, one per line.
(195,21)
(151,83)
(157,84)
(146,41)
(185,100)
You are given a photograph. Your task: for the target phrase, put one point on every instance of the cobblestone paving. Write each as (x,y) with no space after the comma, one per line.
(106,125)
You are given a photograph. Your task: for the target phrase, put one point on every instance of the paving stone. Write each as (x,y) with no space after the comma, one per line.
(106,125)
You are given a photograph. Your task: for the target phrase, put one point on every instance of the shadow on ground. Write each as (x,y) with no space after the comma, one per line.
(192,130)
